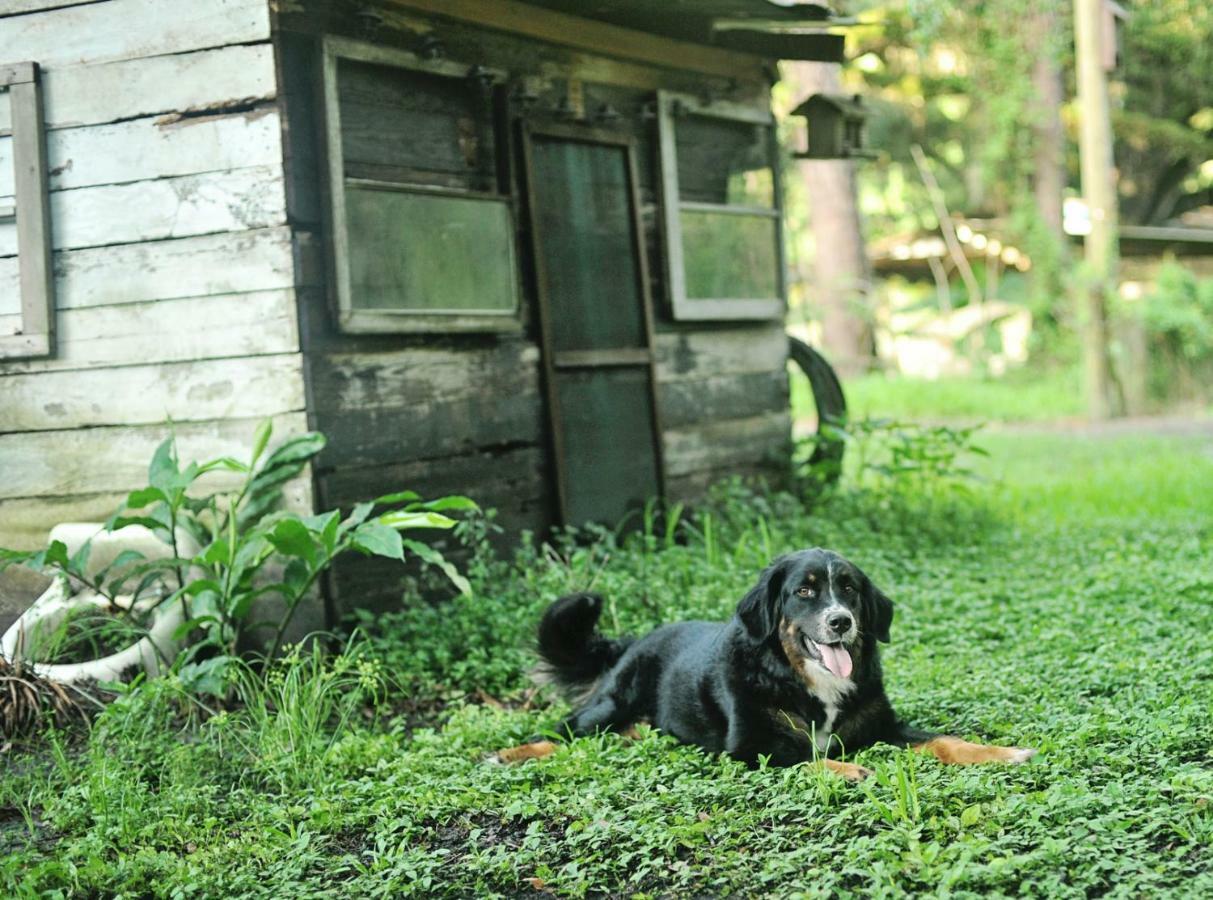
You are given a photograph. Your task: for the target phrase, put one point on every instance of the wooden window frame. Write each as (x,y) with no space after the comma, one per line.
(669,106)
(31,214)
(354,320)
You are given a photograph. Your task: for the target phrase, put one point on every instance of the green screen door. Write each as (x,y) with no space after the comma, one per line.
(596,324)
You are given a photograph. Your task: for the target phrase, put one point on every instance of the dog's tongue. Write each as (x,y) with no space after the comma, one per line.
(835,658)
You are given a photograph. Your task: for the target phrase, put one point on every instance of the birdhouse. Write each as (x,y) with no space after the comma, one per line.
(835,126)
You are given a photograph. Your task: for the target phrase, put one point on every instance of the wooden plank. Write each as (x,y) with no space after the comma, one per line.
(164,208)
(182,83)
(129,29)
(350,382)
(146,148)
(429,430)
(25,523)
(146,394)
(728,444)
(689,355)
(693,487)
(20,7)
(233,325)
(225,263)
(736,396)
(585,34)
(99,460)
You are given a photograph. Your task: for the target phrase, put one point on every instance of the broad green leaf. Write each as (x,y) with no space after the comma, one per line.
(296,576)
(436,559)
(443,504)
(56,554)
(218,552)
(398,497)
(223,462)
(295,451)
(292,537)
(260,438)
(378,539)
(209,676)
(401,519)
(142,497)
(162,471)
(358,515)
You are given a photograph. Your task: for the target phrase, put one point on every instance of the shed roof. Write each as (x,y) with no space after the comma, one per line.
(785,29)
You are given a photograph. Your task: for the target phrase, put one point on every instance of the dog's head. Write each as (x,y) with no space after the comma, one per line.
(820,606)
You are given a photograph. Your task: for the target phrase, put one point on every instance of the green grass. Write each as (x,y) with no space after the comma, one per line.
(1022,395)
(1065,602)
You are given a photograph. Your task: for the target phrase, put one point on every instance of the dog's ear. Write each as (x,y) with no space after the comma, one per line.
(878,611)
(759,609)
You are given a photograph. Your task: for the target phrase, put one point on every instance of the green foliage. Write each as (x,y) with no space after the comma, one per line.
(1179,310)
(250,549)
(1047,627)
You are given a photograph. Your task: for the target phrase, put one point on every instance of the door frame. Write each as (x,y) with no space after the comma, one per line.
(588,359)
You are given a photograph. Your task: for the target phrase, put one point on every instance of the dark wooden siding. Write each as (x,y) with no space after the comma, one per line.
(465,413)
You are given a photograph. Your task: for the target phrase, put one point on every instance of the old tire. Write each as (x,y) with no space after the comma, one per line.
(826,459)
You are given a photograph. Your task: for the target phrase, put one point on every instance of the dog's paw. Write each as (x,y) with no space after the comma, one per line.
(849,771)
(521,753)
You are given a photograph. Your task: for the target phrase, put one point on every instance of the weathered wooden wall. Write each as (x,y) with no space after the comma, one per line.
(466,413)
(175,278)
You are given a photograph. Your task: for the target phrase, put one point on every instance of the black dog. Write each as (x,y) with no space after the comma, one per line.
(793,675)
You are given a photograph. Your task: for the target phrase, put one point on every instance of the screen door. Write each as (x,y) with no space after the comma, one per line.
(596,322)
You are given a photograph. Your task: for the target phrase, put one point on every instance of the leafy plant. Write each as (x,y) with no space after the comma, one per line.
(250,549)
(907,453)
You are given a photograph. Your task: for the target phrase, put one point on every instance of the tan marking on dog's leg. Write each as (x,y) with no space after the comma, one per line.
(849,771)
(537,750)
(954,751)
(630,733)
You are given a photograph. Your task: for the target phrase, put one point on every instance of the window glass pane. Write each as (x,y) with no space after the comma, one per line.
(729,256)
(415,127)
(429,253)
(724,161)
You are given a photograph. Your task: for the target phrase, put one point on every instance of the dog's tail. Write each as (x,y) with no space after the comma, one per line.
(573,654)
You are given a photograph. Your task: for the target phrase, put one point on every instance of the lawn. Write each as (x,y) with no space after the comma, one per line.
(1065,602)
(1021,395)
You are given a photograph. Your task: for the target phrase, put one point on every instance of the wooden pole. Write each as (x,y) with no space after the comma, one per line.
(1099,191)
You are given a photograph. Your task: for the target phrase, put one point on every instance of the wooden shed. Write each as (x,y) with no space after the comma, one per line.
(527,252)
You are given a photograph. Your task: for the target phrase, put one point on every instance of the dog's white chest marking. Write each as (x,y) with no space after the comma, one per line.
(830,690)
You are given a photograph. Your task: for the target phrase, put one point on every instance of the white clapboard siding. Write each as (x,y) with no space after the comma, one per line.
(164,208)
(100,460)
(146,394)
(688,356)
(129,29)
(141,150)
(17,7)
(233,262)
(170,330)
(156,86)
(26,521)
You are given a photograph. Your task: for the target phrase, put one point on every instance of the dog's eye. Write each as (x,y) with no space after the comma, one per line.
(804,592)
(849,588)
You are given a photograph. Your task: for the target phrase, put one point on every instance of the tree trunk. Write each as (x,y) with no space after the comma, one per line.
(841,276)
(1049,183)
(1099,191)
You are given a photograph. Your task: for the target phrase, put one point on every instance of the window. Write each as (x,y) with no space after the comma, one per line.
(423,225)
(720,197)
(26,314)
